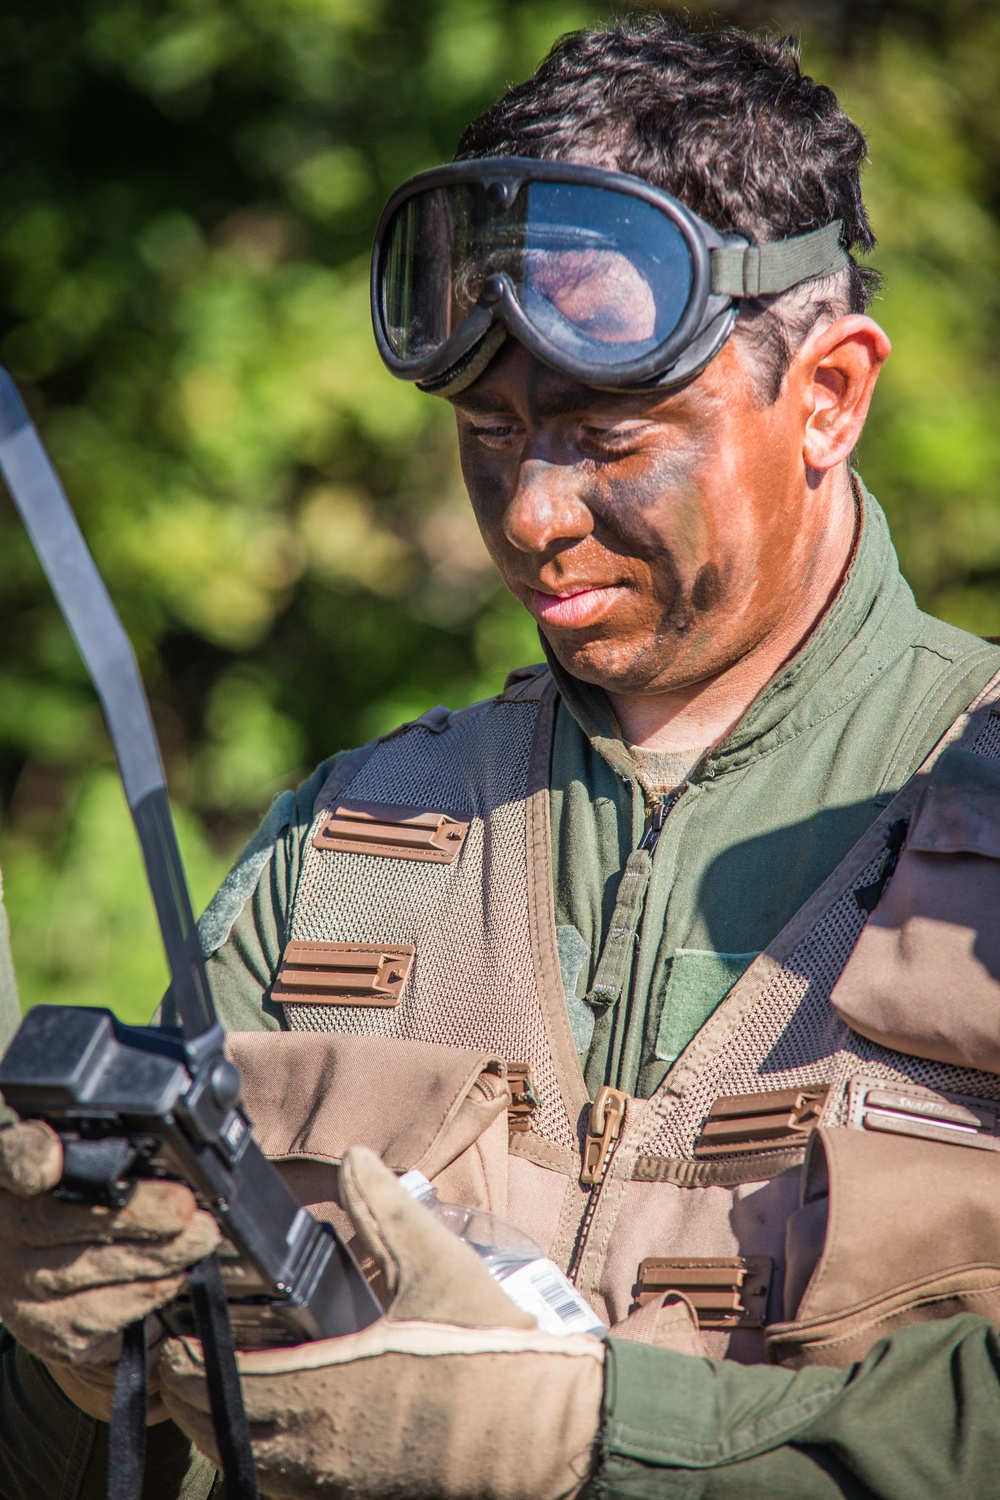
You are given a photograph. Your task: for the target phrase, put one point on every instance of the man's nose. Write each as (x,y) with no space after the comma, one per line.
(546,507)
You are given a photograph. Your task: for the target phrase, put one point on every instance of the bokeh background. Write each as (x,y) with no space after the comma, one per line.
(189,189)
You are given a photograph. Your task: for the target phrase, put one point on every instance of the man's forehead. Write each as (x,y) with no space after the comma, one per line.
(515,377)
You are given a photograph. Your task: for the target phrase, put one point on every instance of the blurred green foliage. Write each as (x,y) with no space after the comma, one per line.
(189,192)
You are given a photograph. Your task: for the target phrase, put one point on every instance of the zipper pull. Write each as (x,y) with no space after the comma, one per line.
(606,1115)
(658,817)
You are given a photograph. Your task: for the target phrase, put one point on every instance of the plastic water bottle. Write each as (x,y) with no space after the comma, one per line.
(529,1278)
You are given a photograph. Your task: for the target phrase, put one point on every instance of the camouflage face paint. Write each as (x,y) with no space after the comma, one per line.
(652,538)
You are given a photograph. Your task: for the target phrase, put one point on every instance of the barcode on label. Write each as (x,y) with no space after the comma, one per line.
(561,1305)
(542,1290)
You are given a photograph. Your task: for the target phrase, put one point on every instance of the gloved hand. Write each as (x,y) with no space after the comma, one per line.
(454,1393)
(72,1276)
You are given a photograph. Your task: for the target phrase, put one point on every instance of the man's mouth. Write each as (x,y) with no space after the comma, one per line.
(575,607)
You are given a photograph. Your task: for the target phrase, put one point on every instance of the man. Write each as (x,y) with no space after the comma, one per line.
(636,876)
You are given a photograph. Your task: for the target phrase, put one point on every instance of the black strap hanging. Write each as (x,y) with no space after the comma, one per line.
(232,1430)
(127,1438)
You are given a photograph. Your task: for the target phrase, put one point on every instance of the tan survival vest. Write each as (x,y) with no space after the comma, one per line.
(423,948)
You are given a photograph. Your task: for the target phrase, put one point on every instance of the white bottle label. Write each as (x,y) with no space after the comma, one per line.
(541,1289)
(538,1288)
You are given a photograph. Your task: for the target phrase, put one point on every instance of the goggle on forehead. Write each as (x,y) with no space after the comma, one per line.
(599,274)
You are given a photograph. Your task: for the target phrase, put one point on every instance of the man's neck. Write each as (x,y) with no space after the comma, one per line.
(695,717)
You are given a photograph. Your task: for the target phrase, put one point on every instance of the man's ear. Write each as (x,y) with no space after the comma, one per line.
(838,365)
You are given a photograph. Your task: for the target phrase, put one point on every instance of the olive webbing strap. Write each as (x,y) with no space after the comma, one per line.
(616,957)
(229,1418)
(615,961)
(127,1438)
(758,270)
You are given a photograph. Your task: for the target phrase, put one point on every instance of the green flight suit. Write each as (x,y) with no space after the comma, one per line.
(763,819)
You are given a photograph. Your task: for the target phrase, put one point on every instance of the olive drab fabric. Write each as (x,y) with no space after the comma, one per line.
(485,978)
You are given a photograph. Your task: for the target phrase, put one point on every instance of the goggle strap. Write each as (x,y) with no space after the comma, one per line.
(760,270)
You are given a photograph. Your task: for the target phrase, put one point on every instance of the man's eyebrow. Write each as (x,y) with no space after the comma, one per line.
(479,406)
(552,403)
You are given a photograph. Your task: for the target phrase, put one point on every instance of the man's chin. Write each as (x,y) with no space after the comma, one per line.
(595,663)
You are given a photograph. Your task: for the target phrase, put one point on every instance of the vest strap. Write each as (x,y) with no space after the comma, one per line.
(391,831)
(314,973)
(908,1109)
(725,1291)
(749,1122)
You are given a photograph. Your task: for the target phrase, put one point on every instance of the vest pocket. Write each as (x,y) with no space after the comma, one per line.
(924,977)
(442,1109)
(891,1230)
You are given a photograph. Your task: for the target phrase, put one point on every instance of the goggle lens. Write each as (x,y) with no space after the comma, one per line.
(599,273)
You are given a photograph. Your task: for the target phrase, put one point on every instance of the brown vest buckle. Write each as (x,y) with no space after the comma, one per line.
(753,1122)
(726,1292)
(392,831)
(523,1098)
(908,1109)
(343,973)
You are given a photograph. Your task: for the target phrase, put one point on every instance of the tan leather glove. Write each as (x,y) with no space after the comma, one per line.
(72,1276)
(453,1394)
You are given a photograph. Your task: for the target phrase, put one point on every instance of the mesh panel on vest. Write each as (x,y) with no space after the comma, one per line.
(988,740)
(473,981)
(792,1036)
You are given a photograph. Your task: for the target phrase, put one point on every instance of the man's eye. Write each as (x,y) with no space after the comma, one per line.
(620,436)
(494,434)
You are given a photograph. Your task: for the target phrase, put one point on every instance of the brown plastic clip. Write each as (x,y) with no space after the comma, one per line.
(729,1292)
(908,1109)
(392,831)
(523,1098)
(753,1122)
(606,1115)
(343,973)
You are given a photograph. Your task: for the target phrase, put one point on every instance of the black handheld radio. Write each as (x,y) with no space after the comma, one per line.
(127,1101)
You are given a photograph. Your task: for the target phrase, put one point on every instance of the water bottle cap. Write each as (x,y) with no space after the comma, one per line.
(417,1185)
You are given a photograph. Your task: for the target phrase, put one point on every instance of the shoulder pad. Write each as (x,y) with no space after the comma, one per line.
(525,684)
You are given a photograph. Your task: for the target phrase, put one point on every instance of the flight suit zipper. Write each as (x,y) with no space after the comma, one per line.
(657,818)
(607,1112)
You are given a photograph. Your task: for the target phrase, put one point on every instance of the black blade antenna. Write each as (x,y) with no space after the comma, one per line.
(107,653)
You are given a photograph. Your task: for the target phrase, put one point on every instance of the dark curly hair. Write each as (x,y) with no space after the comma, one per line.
(724,120)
